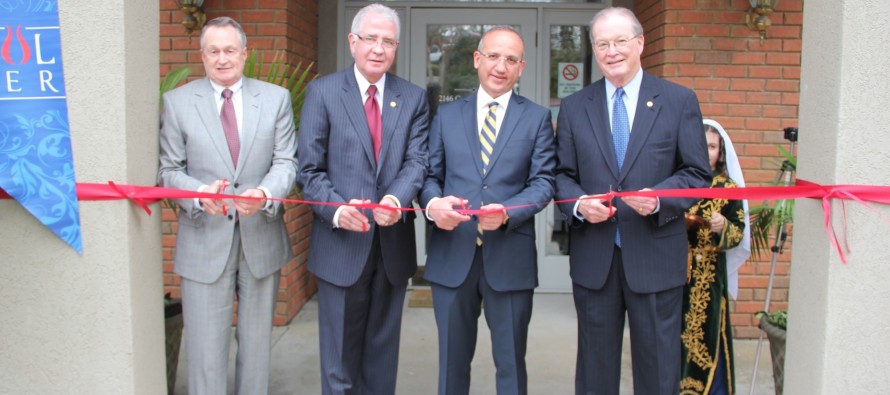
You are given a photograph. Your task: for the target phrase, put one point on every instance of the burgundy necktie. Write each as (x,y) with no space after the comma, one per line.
(372,111)
(230,126)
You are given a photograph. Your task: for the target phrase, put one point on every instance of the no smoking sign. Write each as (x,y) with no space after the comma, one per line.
(568,81)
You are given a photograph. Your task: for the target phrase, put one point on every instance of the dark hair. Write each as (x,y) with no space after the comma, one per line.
(720,167)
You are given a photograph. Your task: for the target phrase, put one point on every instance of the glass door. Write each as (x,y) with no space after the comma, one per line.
(567,52)
(442,46)
(441,57)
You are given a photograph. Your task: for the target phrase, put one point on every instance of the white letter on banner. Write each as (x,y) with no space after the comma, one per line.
(39,53)
(9,81)
(45,80)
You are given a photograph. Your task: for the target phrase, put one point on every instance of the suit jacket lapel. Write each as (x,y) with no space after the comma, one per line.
(643,121)
(205,106)
(471,130)
(355,110)
(250,102)
(508,125)
(392,111)
(598,115)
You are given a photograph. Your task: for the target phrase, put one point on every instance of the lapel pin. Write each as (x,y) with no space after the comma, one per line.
(649,104)
(392,104)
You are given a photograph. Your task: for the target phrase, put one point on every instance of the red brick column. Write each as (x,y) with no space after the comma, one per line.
(270,25)
(751,88)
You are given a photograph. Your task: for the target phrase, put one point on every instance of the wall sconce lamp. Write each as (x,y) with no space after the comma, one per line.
(194,18)
(758,15)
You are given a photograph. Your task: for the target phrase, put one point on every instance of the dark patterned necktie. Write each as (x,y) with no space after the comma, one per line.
(230,126)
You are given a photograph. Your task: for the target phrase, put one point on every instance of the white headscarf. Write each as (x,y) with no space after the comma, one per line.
(736,256)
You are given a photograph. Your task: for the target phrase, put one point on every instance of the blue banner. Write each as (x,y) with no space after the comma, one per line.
(36,166)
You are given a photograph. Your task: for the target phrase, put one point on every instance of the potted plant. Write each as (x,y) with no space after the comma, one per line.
(775,326)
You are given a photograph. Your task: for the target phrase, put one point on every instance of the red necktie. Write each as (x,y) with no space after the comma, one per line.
(372,111)
(230,126)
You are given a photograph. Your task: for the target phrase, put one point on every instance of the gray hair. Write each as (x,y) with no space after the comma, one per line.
(224,21)
(381,10)
(635,23)
(500,28)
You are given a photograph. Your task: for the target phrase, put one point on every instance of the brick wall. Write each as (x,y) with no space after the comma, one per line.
(270,25)
(751,88)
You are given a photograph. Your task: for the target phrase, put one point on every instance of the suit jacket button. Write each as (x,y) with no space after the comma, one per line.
(236,185)
(484,186)
(230,216)
(619,188)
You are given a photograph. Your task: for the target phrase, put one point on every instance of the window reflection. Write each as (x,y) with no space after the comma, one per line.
(571,69)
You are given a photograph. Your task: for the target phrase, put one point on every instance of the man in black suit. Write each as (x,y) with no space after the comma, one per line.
(628,131)
(363,137)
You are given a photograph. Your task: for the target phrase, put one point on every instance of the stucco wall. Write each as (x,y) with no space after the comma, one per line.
(839,316)
(93,324)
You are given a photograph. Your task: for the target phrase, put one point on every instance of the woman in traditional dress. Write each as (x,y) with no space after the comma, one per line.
(714,227)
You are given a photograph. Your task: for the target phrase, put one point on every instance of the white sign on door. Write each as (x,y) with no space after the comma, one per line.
(570,79)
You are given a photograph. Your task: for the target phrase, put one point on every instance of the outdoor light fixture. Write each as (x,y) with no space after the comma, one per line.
(194,18)
(758,15)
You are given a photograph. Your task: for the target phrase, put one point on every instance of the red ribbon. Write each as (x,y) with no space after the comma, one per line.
(863,194)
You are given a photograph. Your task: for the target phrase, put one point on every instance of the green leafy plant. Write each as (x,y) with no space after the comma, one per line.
(280,73)
(767,218)
(778,318)
(172,80)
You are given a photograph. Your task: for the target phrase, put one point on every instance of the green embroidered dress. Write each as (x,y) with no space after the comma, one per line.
(707,330)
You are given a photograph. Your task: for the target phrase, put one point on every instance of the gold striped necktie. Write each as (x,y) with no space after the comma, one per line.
(487,137)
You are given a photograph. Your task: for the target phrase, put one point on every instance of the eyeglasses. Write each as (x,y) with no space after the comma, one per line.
(494,58)
(374,40)
(621,43)
(215,52)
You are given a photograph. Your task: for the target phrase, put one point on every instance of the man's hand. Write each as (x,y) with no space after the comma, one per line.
(386,217)
(248,207)
(215,206)
(643,205)
(442,212)
(595,210)
(492,216)
(352,219)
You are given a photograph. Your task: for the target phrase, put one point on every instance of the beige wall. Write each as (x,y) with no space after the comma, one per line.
(840,314)
(93,324)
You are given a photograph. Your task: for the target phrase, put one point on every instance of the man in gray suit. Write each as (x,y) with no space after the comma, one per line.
(628,131)
(363,137)
(492,150)
(233,135)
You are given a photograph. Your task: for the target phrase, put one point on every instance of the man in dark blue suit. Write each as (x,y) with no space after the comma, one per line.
(628,131)
(363,139)
(492,150)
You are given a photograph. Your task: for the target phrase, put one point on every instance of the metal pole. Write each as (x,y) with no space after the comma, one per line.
(781,236)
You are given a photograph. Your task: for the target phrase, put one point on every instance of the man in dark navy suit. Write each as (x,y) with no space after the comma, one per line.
(491,150)
(628,131)
(363,137)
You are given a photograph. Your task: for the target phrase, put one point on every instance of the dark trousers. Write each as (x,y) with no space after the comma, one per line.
(655,323)
(359,331)
(457,312)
